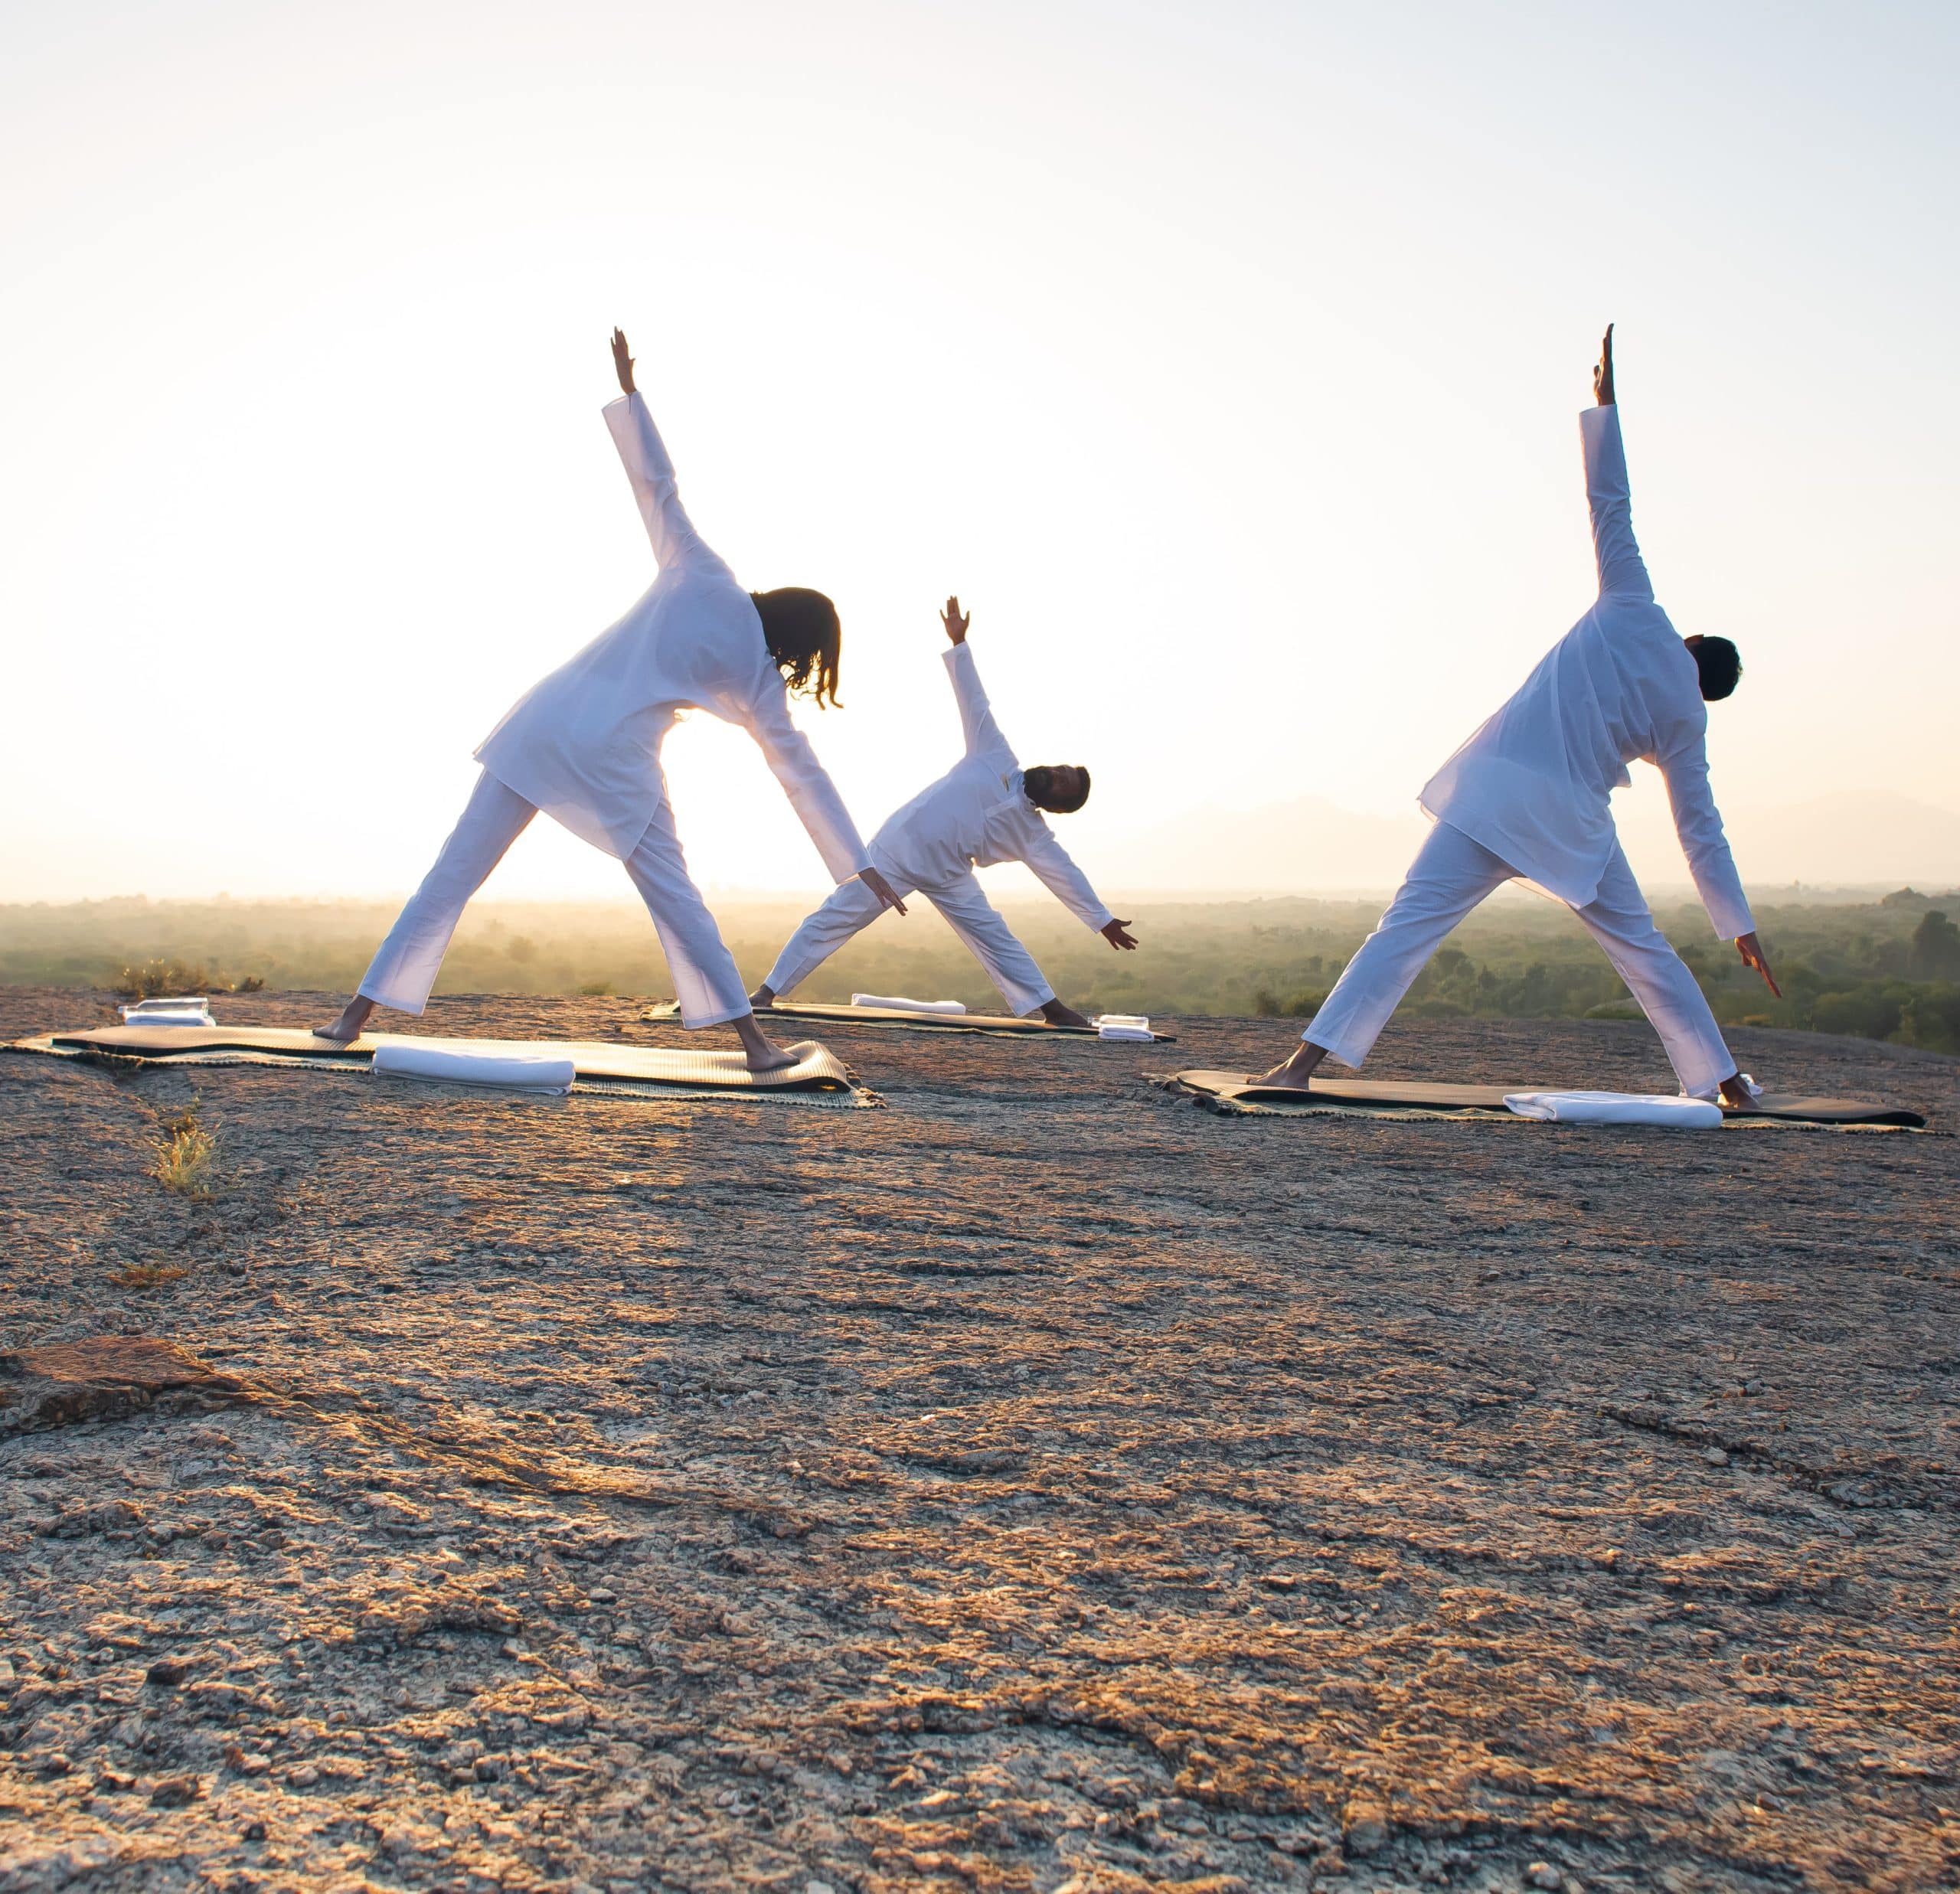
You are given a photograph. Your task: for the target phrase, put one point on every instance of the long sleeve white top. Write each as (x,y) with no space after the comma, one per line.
(1534,784)
(583,745)
(978,814)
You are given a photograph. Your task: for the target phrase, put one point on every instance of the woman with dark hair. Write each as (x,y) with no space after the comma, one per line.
(583,746)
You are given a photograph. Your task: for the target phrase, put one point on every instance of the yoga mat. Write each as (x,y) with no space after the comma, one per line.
(1235,1094)
(997,1026)
(818,1077)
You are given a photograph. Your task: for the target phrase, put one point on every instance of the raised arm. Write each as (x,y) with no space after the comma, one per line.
(649,469)
(976,714)
(1622,571)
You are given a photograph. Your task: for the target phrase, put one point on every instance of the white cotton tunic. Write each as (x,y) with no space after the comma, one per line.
(1534,785)
(583,745)
(977,814)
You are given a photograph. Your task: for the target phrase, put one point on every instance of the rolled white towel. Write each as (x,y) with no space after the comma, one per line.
(1133,1026)
(889,1005)
(1615,1108)
(523,1072)
(166,1016)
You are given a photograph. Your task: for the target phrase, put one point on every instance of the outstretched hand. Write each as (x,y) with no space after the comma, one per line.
(622,363)
(1117,934)
(955,621)
(1751,950)
(1603,376)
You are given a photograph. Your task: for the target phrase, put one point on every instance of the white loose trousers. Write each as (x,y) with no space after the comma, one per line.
(853,907)
(705,981)
(1450,876)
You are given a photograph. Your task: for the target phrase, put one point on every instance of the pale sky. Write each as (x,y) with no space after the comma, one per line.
(1224,357)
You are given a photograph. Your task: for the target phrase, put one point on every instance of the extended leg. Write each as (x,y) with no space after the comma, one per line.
(1619,919)
(705,982)
(1450,875)
(988,939)
(850,908)
(405,966)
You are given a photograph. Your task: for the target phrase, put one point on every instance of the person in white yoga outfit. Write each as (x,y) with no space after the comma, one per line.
(985,809)
(584,746)
(1527,799)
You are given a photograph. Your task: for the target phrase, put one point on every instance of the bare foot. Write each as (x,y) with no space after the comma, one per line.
(1293,1074)
(760,1052)
(1736,1093)
(763,999)
(1056,1014)
(353,1017)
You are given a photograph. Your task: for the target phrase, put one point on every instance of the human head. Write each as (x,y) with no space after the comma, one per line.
(801,629)
(1060,788)
(1719,662)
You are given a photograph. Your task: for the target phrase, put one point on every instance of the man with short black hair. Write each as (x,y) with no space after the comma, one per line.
(985,809)
(1527,799)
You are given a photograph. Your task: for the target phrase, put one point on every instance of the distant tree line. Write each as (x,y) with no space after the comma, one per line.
(1886,969)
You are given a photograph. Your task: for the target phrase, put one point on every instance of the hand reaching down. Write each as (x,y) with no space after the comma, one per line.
(1751,950)
(1117,934)
(881,888)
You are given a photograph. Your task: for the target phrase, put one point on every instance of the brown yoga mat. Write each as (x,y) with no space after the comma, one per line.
(818,1077)
(1000,1025)
(1234,1092)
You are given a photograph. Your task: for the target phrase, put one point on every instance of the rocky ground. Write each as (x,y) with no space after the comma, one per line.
(1040,1484)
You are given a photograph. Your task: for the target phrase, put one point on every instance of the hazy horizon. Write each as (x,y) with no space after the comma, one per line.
(1307,849)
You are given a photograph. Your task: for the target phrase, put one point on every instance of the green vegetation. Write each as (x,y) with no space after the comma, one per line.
(1884,968)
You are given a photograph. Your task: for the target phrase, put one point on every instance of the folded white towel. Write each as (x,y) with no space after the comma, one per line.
(906,1006)
(166,1016)
(1124,1026)
(1126,1032)
(525,1072)
(1615,1108)
(173,1003)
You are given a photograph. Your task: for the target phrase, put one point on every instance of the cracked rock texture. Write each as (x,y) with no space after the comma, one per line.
(1040,1484)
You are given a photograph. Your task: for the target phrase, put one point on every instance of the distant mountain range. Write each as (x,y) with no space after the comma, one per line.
(1312,845)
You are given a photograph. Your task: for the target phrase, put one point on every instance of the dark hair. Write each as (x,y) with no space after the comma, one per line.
(804,637)
(1720,664)
(1038,784)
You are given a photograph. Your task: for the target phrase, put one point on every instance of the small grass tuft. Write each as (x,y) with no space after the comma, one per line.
(187,1155)
(147,1275)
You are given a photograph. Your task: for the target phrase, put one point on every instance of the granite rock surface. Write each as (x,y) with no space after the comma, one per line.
(1040,1484)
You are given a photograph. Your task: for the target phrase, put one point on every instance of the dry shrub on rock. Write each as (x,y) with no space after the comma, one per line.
(187,1155)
